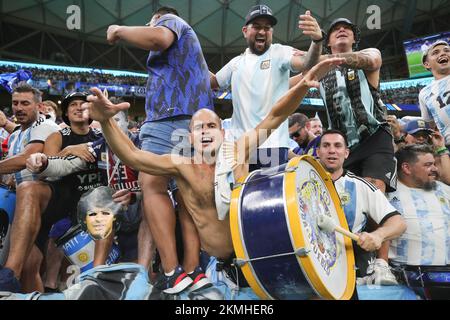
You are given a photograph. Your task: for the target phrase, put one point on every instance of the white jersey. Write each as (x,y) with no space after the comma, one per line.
(434,102)
(360,199)
(257,83)
(36,133)
(427,239)
(3,134)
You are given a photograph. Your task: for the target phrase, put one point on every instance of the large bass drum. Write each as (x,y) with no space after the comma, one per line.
(282,252)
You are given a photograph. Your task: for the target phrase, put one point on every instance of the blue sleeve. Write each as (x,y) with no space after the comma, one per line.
(174,23)
(98,147)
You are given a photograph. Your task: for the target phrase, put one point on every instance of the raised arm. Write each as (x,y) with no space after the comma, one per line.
(309,26)
(283,109)
(367,59)
(145,37)
(102,110)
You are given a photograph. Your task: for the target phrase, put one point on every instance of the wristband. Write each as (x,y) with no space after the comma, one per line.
(442,150)
(321,39)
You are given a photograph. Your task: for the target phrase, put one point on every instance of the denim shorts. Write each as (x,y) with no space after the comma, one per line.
(170,135)
(166,136)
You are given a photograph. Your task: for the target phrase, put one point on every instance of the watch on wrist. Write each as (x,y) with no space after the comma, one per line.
(321,39)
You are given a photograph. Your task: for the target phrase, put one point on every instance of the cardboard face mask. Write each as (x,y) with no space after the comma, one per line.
(97,213)
(99,223)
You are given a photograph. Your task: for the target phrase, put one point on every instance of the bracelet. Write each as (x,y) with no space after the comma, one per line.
(442,150)
(321,39)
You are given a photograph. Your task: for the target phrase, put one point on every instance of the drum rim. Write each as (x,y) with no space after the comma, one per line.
(238,240)
(298,240)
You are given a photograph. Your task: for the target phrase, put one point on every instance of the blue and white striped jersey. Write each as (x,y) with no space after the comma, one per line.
(434,102)
(426,241)
(36,133)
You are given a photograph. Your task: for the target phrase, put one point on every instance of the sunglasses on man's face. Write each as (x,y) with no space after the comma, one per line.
(296,134)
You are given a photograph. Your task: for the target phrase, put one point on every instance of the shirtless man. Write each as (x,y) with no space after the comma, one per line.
(195,176)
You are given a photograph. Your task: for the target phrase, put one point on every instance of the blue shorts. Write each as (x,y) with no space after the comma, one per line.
(170,135)
(166,136)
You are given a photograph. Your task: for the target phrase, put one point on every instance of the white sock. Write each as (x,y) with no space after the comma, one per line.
(171,273)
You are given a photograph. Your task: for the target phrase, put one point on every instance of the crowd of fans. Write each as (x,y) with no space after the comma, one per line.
(91,77)
(406,95)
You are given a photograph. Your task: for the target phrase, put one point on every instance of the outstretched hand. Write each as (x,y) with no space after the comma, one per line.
(313,76)
(309,26)
(100,108)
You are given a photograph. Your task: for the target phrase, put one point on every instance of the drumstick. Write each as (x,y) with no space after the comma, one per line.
(327,224)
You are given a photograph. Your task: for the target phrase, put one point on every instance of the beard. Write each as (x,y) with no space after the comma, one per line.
(430,186)
(255,50)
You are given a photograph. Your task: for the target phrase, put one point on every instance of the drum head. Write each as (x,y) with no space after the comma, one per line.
(330,263)
(324,260)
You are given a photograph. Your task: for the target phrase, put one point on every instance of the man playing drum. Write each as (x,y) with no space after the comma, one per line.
(360,199)
(195,176)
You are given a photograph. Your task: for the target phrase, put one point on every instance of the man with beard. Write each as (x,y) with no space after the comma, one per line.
(315,126)
(40,204)
(260,76)
(435,99)
(419,132)
(298,131)
(30,136)
(424,202)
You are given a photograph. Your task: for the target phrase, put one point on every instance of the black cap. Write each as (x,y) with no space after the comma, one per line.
(65,104)
(355,28)
(260,11)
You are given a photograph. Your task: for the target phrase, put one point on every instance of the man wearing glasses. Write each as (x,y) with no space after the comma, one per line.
(260,77)
(306,143)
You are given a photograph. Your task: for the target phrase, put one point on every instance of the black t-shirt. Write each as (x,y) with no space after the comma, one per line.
(90,178)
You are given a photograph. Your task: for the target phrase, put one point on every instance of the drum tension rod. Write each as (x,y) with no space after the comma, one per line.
(302,252)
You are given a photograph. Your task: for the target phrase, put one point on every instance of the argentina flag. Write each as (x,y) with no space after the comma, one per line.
(9,80)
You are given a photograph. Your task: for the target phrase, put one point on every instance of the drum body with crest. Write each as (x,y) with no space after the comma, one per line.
(282,252)
(7,207)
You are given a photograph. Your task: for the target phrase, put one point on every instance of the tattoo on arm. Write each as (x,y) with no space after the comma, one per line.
(357,60)
(312,57)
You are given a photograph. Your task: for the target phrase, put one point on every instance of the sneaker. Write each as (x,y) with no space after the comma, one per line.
(8,282)
(361,281)
(383,275)
(199,279)
(175,283)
